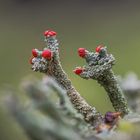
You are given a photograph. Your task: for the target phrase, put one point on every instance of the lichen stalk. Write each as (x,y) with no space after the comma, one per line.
(99,67)
(52,67)
(110,84)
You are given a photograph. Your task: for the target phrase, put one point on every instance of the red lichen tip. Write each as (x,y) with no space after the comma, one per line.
(47,54)
(49,33)
(78,70)
(34,52)
(98,48)
(82,52)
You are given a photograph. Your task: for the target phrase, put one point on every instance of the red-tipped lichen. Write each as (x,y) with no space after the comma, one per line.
(49,33)
(82,52)
(47,54)
(78,71)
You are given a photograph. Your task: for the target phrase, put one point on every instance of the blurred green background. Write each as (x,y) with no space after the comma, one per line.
(79,23)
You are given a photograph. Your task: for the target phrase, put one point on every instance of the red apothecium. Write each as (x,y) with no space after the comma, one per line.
(78,71)
(49,33)
(98,48)
(34,52)
(82,52)
(47,54)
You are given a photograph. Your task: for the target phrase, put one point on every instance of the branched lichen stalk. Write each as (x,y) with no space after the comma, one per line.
(100,68)
(48,62)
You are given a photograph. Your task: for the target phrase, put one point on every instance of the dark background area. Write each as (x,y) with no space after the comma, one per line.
(79,23)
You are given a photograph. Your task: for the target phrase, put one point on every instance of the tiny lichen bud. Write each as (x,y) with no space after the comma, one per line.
(78,70)
(98,48)
(47,54)
(34,52)
(82,52)
(49,33)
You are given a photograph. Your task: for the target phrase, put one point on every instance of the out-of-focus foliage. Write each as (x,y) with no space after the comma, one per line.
(49,115)
(131,87)
(44,117)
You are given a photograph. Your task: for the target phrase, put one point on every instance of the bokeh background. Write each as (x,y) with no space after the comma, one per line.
(79,23)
